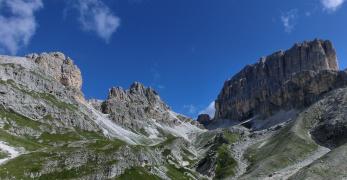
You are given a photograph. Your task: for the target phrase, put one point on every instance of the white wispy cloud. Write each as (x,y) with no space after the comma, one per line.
(17,23)
(156,77)
(96,16)
(289,20)
(210,110)
(191,109)
(332,5)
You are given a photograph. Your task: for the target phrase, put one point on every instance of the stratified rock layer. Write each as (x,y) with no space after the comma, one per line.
(285,79)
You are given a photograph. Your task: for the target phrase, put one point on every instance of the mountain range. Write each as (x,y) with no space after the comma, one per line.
(283,117)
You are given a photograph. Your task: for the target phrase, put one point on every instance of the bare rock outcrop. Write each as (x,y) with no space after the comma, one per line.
(330,126)
(60,67)
(32,87)
(43,112)
(286,79)
(133,107)
(204,119)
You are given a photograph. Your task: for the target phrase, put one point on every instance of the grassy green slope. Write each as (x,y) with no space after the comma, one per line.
(331,166)
(218,158)
(3,155)
(288,146)
(44,151)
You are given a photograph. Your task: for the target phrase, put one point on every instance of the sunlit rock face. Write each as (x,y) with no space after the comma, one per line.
(60,67)
(44,114)
(286,79)
(134,106)
(140,107)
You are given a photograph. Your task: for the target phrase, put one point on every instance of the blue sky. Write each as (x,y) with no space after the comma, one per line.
(185,49)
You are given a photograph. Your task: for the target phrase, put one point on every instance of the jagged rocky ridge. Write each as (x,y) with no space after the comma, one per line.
(139,108)
(49,131)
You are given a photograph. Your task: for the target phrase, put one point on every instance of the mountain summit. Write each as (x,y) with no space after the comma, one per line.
(284,80)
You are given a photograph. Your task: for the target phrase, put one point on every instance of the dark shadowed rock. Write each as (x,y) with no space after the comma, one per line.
(204,119)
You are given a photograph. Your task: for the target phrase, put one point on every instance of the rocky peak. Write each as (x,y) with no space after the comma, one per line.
(140,89)
(265,87)
(314,55)
(136,92)
(136,103)
(117,93)
(60,67)
(137,88)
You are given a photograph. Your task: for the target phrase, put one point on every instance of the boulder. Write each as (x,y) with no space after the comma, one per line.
(204,119)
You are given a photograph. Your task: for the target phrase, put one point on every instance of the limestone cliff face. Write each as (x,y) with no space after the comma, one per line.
(60,67)
(285,79)
(33,86)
